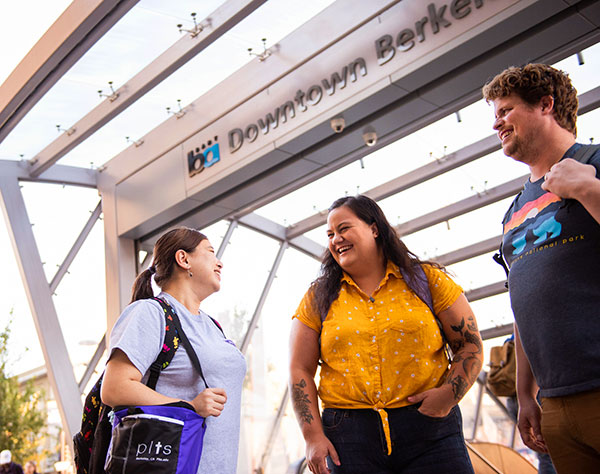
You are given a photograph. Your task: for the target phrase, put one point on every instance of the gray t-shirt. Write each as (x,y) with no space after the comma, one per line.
(139,333)
(553,250)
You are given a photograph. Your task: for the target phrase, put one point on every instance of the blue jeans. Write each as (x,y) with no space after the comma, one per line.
(420,444)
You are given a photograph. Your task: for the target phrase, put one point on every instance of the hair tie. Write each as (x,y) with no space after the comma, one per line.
(152,269)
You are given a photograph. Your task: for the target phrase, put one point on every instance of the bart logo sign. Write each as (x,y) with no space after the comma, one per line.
(203,157)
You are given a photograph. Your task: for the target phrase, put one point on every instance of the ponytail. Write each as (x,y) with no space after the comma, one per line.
(142,287)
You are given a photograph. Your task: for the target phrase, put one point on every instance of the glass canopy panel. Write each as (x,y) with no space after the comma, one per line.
(217,62)
(440,138)
(247,262)
(268,362)
(587,127)
(477,272)
(493,311)
(24,351)
(456,233)
(583,75)
(396,159)
(126,49)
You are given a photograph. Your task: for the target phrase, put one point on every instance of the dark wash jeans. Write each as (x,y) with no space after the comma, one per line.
(420,444)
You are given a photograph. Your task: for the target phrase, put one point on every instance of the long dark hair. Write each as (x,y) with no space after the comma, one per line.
(163,262)
(326,288)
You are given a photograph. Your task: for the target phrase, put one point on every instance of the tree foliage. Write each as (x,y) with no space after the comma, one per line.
(22,416)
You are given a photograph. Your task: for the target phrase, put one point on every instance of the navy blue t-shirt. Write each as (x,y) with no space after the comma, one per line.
(552,247)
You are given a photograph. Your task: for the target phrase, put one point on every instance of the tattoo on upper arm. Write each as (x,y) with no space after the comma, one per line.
(456,345)
(460,327)
(472,325)
(301,402)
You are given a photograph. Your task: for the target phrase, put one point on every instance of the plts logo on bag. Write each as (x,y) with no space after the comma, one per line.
(203,157)
(155,451)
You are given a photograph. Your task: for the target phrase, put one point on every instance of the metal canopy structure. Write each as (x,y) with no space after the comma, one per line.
(387,68)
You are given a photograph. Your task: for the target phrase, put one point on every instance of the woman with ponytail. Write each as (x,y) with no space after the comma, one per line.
(187,271)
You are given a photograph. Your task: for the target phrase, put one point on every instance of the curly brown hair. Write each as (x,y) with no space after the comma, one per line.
(534,81)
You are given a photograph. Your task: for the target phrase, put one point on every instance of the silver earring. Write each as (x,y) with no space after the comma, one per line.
(190,272)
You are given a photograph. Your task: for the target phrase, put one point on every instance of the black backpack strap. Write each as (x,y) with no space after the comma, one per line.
(419,284)
(585,152)
(183,338)
(170,345)
(499,259)
(499,256)
(218,325)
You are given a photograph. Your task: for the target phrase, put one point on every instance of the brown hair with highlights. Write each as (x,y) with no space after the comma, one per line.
(534,81)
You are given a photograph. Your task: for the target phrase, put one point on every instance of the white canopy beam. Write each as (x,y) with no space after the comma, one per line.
(87,228)
(79,27)
(218,23)
(462,207)
(588,101)
(59,174)
(470,251)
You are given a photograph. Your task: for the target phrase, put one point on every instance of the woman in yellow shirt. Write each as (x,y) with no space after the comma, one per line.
(389,391)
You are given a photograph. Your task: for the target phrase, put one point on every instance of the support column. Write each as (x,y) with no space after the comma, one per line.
(120,258)
(39,295)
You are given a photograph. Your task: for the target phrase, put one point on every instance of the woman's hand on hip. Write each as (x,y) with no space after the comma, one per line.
(317,450)
(210,402)
(436,402)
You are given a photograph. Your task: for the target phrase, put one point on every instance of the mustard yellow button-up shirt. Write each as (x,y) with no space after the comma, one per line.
(378,351)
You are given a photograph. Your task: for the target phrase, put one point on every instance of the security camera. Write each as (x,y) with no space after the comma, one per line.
(338,124)
(370,138)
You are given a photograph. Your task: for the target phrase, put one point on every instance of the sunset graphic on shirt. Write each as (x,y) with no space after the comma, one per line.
(530,210)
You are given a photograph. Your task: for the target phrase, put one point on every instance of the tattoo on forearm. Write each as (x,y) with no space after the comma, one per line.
(470,359)
(473,339)
(301,402)
(459,387)
(472,367)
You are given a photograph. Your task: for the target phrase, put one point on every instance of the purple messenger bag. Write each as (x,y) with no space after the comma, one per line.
(156,439)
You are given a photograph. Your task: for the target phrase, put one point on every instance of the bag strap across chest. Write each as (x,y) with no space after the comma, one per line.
(176,333)
(419,284)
